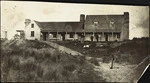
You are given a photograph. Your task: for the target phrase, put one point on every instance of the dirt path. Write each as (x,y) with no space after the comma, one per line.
(62,48)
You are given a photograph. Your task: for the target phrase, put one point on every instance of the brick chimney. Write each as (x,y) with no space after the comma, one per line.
(82,20)
(125,27)
(27,22)
(126,17)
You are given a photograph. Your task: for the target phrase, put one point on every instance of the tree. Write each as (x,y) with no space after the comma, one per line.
(16,36)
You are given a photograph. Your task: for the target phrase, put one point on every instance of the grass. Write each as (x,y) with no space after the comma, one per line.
(131,51)
(127,54)
(34,61)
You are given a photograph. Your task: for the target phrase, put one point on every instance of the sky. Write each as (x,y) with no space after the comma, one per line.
(14,13)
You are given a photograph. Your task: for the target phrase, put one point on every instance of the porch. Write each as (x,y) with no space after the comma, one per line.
(86,36)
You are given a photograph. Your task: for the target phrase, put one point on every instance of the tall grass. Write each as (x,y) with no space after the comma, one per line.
(131,52)
(27,61)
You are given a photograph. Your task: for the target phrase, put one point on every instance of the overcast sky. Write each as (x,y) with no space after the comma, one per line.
(13,14)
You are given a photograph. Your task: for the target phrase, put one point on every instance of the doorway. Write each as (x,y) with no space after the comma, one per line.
(106,37)
(44,36)
(63,36)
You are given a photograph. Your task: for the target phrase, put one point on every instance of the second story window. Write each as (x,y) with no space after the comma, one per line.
(32,25)
(95,23)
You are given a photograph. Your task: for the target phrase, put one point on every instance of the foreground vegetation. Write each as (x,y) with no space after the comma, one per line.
(130,51)
(126,56)
(24,60)
(33,61)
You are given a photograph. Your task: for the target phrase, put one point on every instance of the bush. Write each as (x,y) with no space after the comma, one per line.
(50,76)
(39,71)
(70,67)
(48,64)
(95,61)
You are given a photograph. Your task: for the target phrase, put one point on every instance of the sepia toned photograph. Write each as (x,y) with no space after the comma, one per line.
(73,42)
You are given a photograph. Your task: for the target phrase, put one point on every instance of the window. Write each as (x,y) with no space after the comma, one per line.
(111,24)
(95,23)
(32,25)
(32,33)
(71,35)
(118,36)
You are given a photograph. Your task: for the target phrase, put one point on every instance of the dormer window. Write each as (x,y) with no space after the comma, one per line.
(112,24)
(95,23)
(32,25)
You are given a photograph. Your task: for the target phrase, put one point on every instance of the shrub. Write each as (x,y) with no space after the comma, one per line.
(70,67)
(95,61)
(39,71)
(14,64)
(49,64)
(28,67)
(50,76)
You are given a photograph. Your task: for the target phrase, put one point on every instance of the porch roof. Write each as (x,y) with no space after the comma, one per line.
(60,26)
(102,30)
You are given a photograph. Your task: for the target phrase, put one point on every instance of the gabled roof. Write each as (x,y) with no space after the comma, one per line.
(104,22)
(60,26)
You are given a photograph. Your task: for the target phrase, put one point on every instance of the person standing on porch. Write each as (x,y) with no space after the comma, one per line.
(97,38)
(82,38)
(92,38)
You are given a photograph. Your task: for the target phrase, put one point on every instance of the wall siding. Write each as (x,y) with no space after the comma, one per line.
(36,30)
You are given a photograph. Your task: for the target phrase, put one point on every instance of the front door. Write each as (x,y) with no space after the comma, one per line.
(44,36)
(106,37)
(63,37)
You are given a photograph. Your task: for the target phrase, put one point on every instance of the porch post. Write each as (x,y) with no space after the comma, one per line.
(66,36)
(103,36)
(112,36)
(56,35)
(40,35)
(93,36)
(48,35)
(74,36)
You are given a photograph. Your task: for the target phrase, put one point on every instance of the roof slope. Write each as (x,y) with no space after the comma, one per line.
(60,26)
(104,22)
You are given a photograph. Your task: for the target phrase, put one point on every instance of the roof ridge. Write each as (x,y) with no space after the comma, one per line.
(56,21)
(105,15)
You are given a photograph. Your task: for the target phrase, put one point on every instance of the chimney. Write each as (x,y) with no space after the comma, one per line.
(27,22)
(126,13)
(126,17)
(82,20)
(125,27)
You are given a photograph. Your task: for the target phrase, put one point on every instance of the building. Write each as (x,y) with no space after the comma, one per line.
(3,34)
(91,27)
(20,34)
